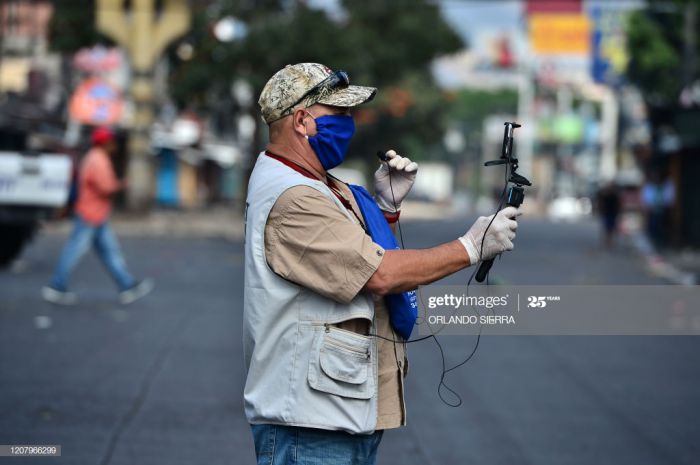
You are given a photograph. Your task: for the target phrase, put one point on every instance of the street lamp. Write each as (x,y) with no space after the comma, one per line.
(229,28)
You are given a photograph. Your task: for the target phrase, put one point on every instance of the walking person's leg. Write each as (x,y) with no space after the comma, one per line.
(110,253)
(78,243)
(609,225)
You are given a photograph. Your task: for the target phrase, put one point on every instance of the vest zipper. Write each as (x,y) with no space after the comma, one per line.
(343,345)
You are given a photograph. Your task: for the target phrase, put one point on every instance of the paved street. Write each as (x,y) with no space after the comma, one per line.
(160,382)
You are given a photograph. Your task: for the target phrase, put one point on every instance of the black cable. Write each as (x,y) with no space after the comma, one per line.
(481,327)
(442,384)
(398,225)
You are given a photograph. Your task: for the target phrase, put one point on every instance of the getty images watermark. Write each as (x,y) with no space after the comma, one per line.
(560,310)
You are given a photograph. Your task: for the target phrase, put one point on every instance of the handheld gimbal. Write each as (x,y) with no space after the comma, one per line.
(516,193)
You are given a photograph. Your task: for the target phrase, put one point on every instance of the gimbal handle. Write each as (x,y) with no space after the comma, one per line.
(516,194)
(515,199)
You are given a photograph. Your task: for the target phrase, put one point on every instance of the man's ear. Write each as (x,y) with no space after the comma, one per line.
(298,122)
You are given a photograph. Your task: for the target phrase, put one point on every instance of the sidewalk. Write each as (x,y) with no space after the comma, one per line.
(224,222)
(678,267)
(214,222)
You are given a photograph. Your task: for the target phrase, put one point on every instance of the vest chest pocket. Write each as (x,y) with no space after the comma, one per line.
(341,364)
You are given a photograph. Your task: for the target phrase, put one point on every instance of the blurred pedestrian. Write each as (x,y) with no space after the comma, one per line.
(609,206)
(97,184)
(328,296)
(658,196)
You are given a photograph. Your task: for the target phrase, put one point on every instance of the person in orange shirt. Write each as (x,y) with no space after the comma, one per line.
(97,184)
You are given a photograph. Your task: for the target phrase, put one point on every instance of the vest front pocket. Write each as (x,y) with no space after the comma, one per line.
(341,364)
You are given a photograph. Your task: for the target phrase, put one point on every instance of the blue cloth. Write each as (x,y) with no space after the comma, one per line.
(279,444)
(403,307)
(333,134)
(102,238)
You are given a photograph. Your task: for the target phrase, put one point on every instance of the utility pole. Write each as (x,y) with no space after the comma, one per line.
(143,32)
(689,37)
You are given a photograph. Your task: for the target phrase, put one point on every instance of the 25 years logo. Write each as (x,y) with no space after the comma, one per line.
(534,301)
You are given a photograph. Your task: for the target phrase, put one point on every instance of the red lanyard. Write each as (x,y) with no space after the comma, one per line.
(292,165)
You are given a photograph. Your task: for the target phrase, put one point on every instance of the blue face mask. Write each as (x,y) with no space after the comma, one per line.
(332,139)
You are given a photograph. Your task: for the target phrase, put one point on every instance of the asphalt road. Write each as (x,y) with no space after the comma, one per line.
(160,382)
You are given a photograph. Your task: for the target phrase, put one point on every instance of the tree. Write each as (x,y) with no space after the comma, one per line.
(662,48)
(72,26)
(389,44)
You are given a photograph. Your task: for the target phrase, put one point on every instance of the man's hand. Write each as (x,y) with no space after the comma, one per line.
(402,172)
(499,236)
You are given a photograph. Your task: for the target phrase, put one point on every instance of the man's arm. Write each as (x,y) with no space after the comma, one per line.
(403,270)
(311,242)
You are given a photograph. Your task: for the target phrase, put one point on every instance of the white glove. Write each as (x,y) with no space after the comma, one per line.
(499,236)
(403,173)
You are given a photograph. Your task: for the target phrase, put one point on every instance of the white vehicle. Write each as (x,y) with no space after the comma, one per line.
(32,186)
(569,209)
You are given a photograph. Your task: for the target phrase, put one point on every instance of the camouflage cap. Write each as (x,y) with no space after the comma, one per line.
(290,83)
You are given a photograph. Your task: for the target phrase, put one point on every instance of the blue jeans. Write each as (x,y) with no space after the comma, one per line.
(107,247)
(287,445)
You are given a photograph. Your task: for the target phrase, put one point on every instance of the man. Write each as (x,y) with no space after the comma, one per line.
(324,337)
(97,184)
(658,196)
(609,206)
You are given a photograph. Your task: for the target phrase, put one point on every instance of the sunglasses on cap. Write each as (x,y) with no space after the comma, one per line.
(338,80)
